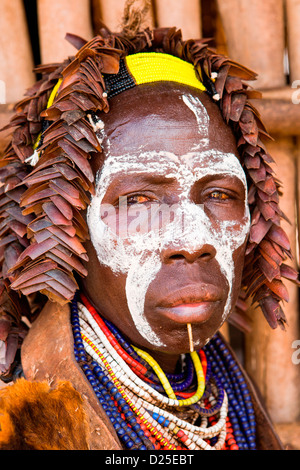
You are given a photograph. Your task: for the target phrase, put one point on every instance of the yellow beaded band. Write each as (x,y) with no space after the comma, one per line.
(148,67)
(53,93)
(33,159)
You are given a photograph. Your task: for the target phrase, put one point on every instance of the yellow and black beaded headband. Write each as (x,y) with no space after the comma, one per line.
(149,67)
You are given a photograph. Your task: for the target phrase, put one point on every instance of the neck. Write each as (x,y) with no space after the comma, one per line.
(168,362)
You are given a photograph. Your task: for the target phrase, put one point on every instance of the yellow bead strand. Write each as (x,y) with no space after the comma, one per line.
(165,382)
(158,370)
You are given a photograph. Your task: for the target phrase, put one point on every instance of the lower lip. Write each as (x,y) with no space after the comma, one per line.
(189,313)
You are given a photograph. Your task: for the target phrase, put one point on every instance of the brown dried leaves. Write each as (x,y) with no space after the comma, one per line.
(51,196)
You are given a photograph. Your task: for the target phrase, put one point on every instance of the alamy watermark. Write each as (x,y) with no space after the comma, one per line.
(126,220)
(2,92)
(296,93)
(296,354)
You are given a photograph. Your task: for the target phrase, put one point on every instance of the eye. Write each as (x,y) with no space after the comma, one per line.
(137,199)
(128,200)
(219,195)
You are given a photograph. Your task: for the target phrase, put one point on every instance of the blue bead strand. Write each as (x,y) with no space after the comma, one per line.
(232,412)
(237,376)
(242,392)
(214,409)
(241,387)
(130,439)
(230,366)
(130,434)
(240,408)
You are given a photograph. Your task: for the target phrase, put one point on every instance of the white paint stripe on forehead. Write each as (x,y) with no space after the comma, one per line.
(195,105)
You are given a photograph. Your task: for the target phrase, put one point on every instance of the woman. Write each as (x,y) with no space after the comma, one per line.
(154,141)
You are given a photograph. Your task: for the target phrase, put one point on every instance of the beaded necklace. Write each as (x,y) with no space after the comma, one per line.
(205,406)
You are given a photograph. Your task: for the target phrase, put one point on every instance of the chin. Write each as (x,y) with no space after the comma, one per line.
(177,341)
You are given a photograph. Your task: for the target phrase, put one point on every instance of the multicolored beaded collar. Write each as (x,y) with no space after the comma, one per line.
(205,406)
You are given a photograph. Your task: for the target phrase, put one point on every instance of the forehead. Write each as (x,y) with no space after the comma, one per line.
(163,117)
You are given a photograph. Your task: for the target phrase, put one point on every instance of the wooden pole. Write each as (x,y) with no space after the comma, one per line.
(280,117)
(57,18)
(16,61)
(183,14)
(293,36)
(269,353)
(255,37)
(298,199)
(6,113)
(112,13)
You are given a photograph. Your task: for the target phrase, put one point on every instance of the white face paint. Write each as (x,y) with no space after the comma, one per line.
(201,115)
(139,255)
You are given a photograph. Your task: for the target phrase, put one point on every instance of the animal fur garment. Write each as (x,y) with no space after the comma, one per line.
(34,416)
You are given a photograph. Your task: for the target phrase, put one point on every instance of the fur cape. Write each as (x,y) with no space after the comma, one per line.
(34,416)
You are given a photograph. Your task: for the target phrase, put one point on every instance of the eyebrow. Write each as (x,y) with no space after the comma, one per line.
(150,180)
(155,179)
(162,172)
(145,179)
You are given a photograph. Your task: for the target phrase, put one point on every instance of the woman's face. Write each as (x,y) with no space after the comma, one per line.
(169,221)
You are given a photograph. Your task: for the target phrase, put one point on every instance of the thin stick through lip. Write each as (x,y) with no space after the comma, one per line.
(190,334)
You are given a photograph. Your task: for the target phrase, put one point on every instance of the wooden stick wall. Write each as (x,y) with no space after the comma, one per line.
(262,47)
(261,35)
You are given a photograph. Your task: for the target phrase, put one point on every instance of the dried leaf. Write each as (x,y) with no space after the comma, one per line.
(259,231)
(63,206)
(54,214)
(79,157)
(270,270)
(278,235)
(289,273)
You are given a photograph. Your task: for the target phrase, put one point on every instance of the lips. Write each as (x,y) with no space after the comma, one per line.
(193,304)
(191,294)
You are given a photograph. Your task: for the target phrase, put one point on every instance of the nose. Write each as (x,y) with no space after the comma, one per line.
(174,252)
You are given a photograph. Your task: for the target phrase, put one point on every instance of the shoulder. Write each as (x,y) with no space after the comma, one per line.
(48,355)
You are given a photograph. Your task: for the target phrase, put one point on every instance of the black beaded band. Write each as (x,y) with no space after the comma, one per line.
(117,83)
